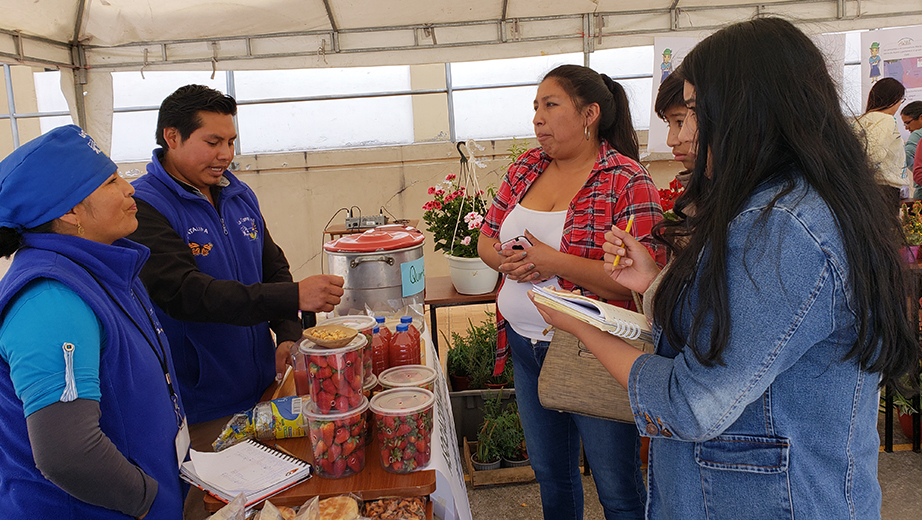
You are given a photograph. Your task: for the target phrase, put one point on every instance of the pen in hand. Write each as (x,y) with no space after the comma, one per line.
(627,229)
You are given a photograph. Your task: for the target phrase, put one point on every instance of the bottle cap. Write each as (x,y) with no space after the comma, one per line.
(402,327)
(376,329)
(406,319)
(379,319)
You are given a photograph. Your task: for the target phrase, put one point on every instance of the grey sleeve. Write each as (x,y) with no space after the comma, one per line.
(72,452)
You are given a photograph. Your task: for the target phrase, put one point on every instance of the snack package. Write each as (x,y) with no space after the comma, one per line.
(342,507)
(234,510)
(400,508)
(277,419)
(271,512)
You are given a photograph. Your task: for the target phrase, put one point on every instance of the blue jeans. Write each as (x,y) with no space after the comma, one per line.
(552,438)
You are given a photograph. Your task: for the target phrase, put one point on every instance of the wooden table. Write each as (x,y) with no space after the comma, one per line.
(338,230)
(441,293)
(371,483)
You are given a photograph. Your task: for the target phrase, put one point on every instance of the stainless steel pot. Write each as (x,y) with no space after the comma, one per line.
(382,268)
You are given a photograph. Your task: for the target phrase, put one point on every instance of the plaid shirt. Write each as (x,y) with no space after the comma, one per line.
(617,188)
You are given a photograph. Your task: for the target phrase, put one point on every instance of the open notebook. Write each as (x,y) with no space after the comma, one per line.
(614,320)
(251,468)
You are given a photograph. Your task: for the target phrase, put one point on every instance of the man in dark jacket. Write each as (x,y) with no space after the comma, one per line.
(219,281)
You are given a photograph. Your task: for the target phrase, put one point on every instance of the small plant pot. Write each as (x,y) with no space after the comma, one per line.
(481,466)
(495,386)
(507,463)
(459,383)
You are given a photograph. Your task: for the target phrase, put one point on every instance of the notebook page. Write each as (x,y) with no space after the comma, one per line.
(243,467)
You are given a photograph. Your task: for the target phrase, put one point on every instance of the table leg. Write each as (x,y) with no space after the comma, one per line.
(435,329)
(888,420)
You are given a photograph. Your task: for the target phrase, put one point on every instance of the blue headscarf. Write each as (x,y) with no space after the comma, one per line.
(46,177)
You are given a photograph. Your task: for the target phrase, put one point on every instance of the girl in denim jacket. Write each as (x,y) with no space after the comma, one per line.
(784,308)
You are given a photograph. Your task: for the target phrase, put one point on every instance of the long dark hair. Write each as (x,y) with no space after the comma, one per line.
(885,93)
(586,86)
(11,239)
(767,109)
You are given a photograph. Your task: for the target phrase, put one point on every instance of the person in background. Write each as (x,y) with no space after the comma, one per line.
(878,129)
(912,120)
(561,198)
(218,279)
(670,107)
(784,310)
(92,427)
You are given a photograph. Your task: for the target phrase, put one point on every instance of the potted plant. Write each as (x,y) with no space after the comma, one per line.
(904,408)
(510,437)
(458,362)
(911,218)
(476,352)
(453,216)
(486,456)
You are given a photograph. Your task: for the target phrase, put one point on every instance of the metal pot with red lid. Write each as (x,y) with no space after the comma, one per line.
(382,269)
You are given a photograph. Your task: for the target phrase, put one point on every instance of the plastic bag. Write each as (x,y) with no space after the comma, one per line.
(234,510)
(277,419)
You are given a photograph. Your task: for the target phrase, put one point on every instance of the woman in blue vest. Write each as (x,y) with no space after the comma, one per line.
(92,426)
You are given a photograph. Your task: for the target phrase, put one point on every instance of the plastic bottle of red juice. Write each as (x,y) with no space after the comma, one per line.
(412,328)
(379,352)
(404,350)
(386,332)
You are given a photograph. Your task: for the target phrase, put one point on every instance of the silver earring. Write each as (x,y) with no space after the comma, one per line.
(586,132)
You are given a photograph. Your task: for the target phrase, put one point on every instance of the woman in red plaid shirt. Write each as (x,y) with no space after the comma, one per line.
(562,198)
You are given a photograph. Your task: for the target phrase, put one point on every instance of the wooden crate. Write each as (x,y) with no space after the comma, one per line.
(494,477)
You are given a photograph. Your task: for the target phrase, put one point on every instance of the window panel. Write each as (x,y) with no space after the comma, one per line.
(269,84)
(476,113)
(129,89)
(314,125)
(623,61)
(48,92)
(133,135)
(508,71)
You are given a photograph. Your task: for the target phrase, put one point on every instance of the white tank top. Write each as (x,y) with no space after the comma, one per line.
(512,300)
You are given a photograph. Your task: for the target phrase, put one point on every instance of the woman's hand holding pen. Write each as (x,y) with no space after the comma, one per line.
(636,268)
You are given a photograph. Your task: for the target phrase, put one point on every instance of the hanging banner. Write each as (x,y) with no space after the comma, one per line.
(892,53)
(668,53)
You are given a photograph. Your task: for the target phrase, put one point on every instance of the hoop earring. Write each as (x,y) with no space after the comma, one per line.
(586,132)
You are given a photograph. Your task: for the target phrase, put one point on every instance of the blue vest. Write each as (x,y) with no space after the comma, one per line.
(137,412)
(222,369)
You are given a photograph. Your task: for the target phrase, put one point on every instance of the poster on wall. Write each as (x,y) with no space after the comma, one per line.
(892,53)
(668,53)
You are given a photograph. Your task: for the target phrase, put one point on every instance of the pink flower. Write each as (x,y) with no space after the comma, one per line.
(436,204)
(450,197)
(439,192)
(466,241)
(431,190)
(450,177)
(427,206)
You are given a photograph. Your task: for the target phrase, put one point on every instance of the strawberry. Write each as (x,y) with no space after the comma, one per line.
(342,404)
(355,400)
(324,402)
(325,372)
(320,448)
(320,361)
(389,422)
(335,451)
(403,430)
(328,386)
(422,459)
(341,435)
(336,361)
(355,463)
(386,456)
(421,446)
(337,379)
(326,466)
(339,467)
(349,446)
(326,433)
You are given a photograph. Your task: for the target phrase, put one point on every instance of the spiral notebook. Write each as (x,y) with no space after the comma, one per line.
(251,468)
(614,320)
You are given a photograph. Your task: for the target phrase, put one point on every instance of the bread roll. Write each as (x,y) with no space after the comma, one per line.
(338,508)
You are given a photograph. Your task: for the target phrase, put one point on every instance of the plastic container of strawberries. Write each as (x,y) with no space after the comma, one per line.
(403,421)
(334,376)
(338,440)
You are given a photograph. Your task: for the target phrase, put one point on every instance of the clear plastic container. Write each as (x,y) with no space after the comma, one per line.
(363,324)
(335,376)
(404,349)
(403,420)
(380,348)
(408,376)
(338,440)
(371,383)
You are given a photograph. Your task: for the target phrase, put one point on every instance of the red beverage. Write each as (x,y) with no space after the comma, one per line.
(404,349)
(302,384)
(379,351)
(386,332)
(412,328)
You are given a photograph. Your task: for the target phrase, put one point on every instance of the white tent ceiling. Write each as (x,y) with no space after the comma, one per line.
(94,37)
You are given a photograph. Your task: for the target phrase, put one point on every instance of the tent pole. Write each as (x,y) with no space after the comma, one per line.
(78,57)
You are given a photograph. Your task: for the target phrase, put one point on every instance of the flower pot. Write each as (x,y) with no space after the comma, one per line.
(459,383)
(906,424)
(471,275)
(481,466)
(507,463)
(495,386)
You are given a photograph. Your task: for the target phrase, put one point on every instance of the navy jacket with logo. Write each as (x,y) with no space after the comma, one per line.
(219,282)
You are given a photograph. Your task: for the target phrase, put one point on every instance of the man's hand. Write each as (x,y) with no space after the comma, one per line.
(282,358)
(320,293)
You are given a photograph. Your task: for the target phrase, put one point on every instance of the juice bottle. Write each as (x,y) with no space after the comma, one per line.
(386,332)
(379,352)
(404,350)
(412,328)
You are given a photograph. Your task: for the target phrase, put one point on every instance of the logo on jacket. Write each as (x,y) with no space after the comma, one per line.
(248,227)
(200,249)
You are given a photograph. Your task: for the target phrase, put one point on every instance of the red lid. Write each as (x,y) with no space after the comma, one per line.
(381,238)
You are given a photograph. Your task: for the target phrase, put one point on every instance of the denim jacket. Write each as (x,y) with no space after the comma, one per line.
(783,428)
